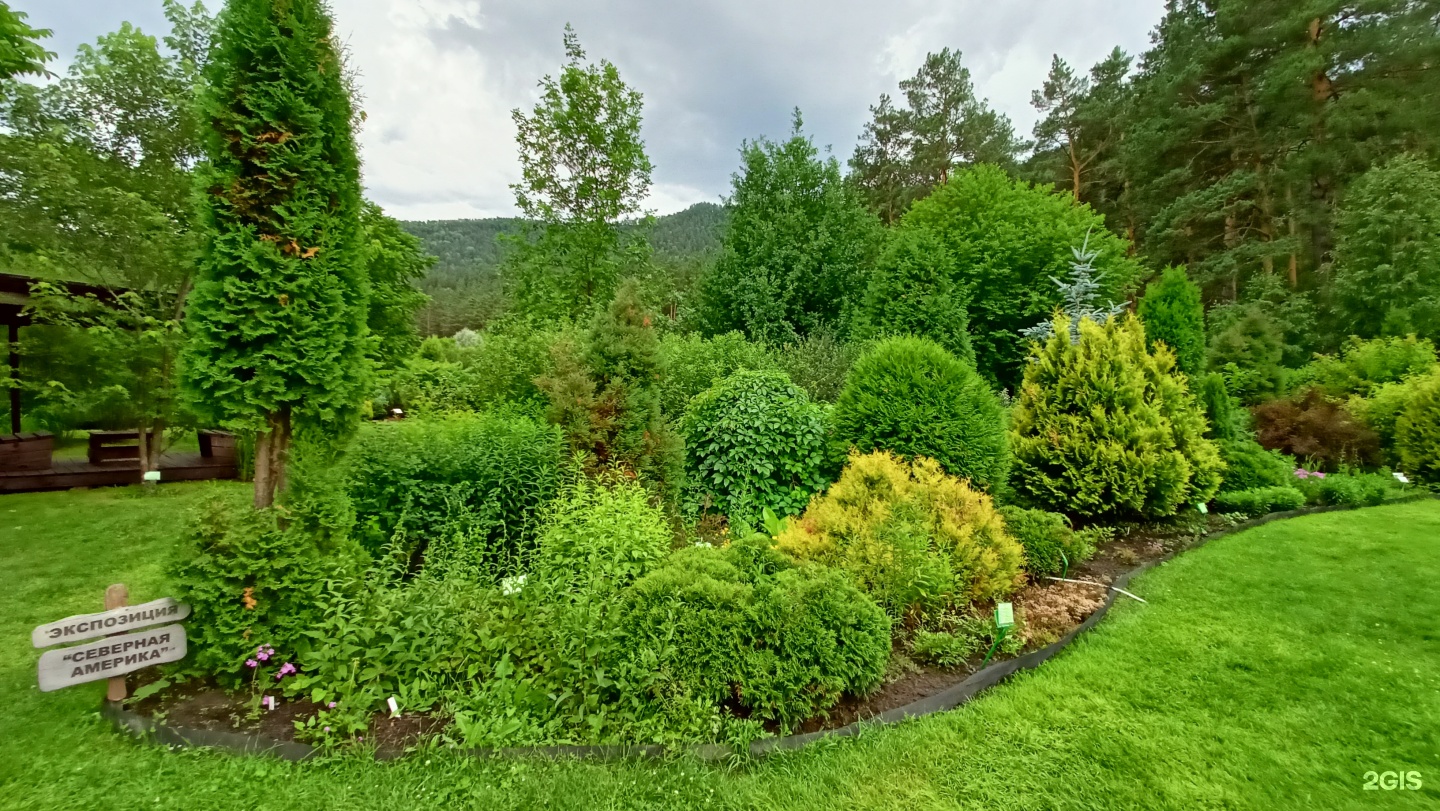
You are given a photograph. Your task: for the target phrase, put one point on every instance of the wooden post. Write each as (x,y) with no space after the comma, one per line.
(115,597)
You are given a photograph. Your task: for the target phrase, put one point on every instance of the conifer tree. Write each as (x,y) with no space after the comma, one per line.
(277,332)
(1173,315)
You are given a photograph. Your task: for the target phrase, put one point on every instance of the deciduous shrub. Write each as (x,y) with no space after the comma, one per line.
(250,582)
(1364,366)
(1249,466)
(785,643)
(477,481)
(1260,500)
(1173,315)
(1009,239)
(910,535)
(1380,412)
(1049,542)
(1104,428)
(693,364)
(497,368)
(1317,430)
(1417,433)
(754,441)
(818,363)
(1346,489)
(911,397)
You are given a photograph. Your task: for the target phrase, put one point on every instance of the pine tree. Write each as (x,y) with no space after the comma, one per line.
(277,332)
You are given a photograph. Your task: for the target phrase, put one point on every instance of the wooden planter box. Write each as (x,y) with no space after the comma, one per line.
(20,453)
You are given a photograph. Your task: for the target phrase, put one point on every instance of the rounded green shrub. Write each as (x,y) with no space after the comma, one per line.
(1249,466)
(910,397)
(483,478)
(1105,429)
(1417,433)
(818,363)
(1249,353)
(1260,500)
(753,441)
(784,644)
(1050,544)
(1173,315)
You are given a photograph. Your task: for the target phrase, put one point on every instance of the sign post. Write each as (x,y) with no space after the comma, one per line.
(116,597)
(124,648)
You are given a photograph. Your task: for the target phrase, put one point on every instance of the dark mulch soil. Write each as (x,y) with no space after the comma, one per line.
(1058,606)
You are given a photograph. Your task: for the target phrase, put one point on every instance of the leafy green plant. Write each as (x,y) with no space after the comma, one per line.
(911,536)
(476,481)
(1260,500)
(911,397)
(1104,428)
(1417,433)
(1364,366)
(1226,419)
(277,316)
(818,363)
(693,363)
(945,649)
(1009,239)
(249,580)
(1051,545)
(1248,353)
(1346,489)
(754,441)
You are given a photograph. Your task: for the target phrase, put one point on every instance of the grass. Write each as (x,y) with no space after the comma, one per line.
(1270,670)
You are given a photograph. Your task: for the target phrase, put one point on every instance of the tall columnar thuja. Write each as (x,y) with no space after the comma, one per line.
(276,323)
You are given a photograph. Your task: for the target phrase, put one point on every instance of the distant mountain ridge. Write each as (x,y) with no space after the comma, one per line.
(470,248)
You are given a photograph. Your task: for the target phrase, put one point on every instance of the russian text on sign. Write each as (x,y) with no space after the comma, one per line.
(125,618)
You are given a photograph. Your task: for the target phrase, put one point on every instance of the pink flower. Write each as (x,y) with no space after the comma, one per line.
(327,729)
(330,706)
(285,670)
(1302,473)
(251,663)
(1317,474)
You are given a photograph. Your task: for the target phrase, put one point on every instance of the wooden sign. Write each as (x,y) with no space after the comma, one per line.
(127,618)
(111,657)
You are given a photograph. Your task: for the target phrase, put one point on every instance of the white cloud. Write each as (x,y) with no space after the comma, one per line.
(441,76)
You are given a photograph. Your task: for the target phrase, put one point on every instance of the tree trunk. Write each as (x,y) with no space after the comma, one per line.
(272,452)
(149,451)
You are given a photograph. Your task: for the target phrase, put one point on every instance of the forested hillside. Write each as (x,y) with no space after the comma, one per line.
(464,283)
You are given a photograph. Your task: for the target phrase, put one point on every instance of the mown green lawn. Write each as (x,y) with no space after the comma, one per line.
(1270,670)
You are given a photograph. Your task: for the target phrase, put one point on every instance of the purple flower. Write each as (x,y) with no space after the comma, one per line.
(251,663)
(327,729)
(285,670)
(330,706)
(1302,472)
(1317,474)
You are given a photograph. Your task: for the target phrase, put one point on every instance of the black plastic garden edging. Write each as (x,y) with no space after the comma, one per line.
(251,743)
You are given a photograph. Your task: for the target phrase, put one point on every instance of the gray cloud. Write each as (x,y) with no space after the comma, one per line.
(441,76)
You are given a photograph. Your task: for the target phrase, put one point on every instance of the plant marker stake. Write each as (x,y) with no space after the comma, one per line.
(1101,585)
(394,707)
(1004,621)
(116,596)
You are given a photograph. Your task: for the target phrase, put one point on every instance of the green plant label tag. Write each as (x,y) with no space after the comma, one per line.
(1004,615)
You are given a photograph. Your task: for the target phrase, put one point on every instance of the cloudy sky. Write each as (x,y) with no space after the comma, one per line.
(440,77)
